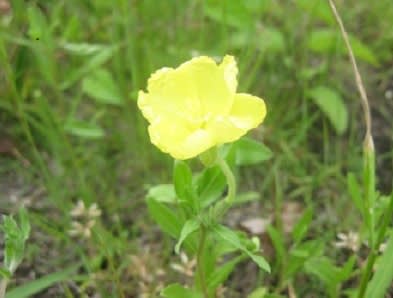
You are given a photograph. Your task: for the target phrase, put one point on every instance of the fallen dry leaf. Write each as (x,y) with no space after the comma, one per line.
(5,7)
(290,214)
(256,226)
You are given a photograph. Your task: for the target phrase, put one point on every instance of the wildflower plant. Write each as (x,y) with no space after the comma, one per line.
(195,111)
(15,234)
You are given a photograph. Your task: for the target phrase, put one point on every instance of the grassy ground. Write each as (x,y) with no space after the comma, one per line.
(61,141)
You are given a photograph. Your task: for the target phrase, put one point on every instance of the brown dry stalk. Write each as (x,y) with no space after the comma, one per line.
(368,139)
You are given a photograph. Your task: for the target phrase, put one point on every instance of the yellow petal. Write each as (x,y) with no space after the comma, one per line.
(211,87)
(247,113)
(170,92)
(223,130)
(229,67)
(174,138)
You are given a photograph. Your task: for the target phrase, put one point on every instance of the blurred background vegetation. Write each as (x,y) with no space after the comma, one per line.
(70,130)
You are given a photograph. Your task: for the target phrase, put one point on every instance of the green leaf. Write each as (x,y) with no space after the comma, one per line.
(228,12)
(323,41)
(278,243)
(178,291)
(189,227)
(260,7)
(231,237)
(24,223)
(15,239)
(258,293)
(37,23)
(301,227)
(332,105)
(168,221)
(347,269)
(220,274)
(383,276)
(326,41)
(325,270)
(83,49)
(271,40)
(362,51)
(5,273)
(36,286)
(182,179)
(83,129)
(210,185)
(354,191)
(164,193)
(319,9)
(249,151)
(300,254)
(246,197)
(101,86)
(91,64)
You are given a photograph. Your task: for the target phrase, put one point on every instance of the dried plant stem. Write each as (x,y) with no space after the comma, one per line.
(368,139)
(369,169)
(3,287)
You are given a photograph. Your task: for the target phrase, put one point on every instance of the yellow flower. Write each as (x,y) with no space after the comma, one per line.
(195,107)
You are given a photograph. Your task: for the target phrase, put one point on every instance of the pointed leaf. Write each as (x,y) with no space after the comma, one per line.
(301,227)
(232,13)
(218,276)
(250,152)
(164,193)
(210,185)
(24,223)
(332,105)
(319,9)
(182,179)
(189,227)
(327,40)
(354,191)
(231,237)
(91,64)
(324,268)
(101,86)
(178,291)
(383,276)
(271,40)
(83,129)
(34,287)
(168,221)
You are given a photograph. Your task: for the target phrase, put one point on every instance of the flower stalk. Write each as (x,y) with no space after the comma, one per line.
(222,207)
(201,278)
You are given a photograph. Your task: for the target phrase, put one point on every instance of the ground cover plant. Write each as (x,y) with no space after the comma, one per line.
(108,214)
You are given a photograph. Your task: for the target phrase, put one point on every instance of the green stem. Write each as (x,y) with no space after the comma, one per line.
(200,278)
(374,249)
(222,207)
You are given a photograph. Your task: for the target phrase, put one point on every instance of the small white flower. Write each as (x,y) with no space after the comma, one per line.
(79,209)
(186,266)
(350,241)
(382,247)
(84,219)
(94,211)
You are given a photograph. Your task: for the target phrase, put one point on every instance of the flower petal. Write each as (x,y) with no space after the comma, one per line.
(229,67)
(175,138)
(170,92)
(247,113)
(211,87)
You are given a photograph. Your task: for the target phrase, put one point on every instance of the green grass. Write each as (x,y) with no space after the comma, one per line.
(84,148)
